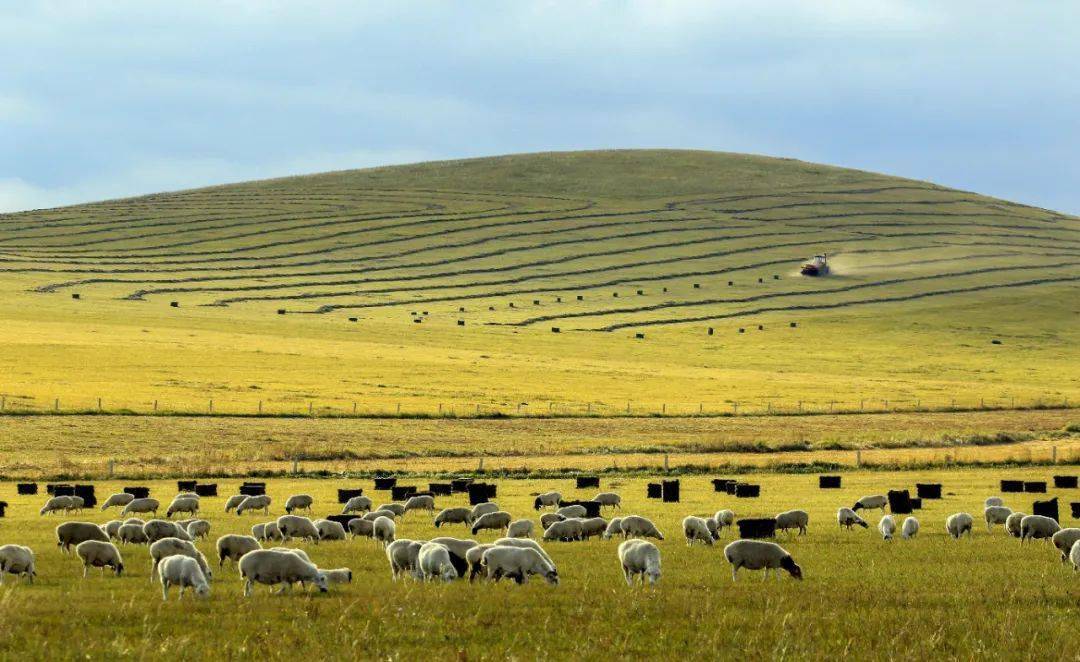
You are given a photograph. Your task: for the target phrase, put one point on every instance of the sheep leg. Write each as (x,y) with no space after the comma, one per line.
(247,588)
(85,569)
(628,576)
(734,572)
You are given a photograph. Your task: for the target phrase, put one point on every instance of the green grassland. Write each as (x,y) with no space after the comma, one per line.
(931,597)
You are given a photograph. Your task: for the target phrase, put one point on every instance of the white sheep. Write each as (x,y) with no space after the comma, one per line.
(521,528)
(338,576)
(183,505)
(404,556)
(614,528)
(131,533)
(112,528)
(58,504)
(330,530)
(397,508)
(887,527)
(421,502)
(299,502)
(121,499)
(474,558)
(384,530)
(996,515)
(499,520)
(70,534)
(1074,556)
(524,543)
(635,526)
(184,572)
(167,547)
(714,528)
(233,547)
(257,502)
(454,516)
(199,528)
(141,507)
(871,502)
(696,530)
(565,530)
(518,564)
(592,527)
(156,529)
(993,501)
(608,500)
(847,518)
(234,501)
(434,561)
(547,500)
(297,526)
(1038,526)
(17,560)
(792,519)
(357,504)
(380,512)
(483,509)
(640,558)
(361,527)
(267,531)
(273,567)
(1012,524)
(1064,541)
(724,518)
(574,510)
(98,554)
(958,524)
(910,528)
(760,555)
(547,519)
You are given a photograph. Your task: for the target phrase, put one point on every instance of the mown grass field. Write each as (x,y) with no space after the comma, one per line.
(932,597)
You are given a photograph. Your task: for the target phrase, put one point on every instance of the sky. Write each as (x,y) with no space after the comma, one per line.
(110,98)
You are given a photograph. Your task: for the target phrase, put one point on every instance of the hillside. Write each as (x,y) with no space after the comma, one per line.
(492,254)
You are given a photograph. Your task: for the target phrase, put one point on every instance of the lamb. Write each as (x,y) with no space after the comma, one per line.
(299,502)
(696,530)
(547,519)
(141,506)
(639,558)
(792,519)
(592,527)
(887,526)
(70,534)
(724,518)
(233,546)
(234,501)
(1064,541)
(1038,526)
(958,524)
(121,499)
(572,511)
(257,502)
(376,514)
(475,557)
(634,526)
(760,555)
(614,528)
(167,547)
(330,530)
(567,530)
(199,528)
(1012,524)
(396,508)
(357,504)
(267,531)
(481,509)
(494,521)
(993,501)
(996,515)
(361,527)
(98,554)
(273,567)
(421,502)
(453,516)
(131,533)
(608,500)
(156,529)
(184,572)
(112,528)
(183,505)
(296,526)
(524,543)
(521,528)
(517,564)
(847,517)
(338,576)
(434,561)
(546,500)
(58,504)
(383,530)
(17,560)
(403,555)
(910,528)
(871,502)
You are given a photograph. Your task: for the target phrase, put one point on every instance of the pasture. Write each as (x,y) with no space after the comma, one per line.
(928,597)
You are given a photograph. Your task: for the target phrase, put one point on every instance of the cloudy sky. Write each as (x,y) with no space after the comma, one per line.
(108,98)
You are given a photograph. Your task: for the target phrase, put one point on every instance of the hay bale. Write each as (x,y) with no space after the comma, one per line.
(402,492)
(385,482)
(354,319)
(928,490)
(3,508)
(26,488)
(138,491)
(206,489)
(747,491)
(654,491)
(280,311)
(585,482)
(710,330)
(1065,482)
(757,527)
(829,482)
(459,485)
(440,489)
(900,502)
(1012,486)
(580,298)
(1075,506)
(461,322)
(1046,509)
(478,493)
(76,295)
(641,292)
(343,520)
(253,489)
(670,490)
(916,503)
(346,493)
(418,320)
(186,485)
(60,489)
(639,336)
(793,324)
(697,286)
(1036,486)
(721,484)
(536,302)
(556,329)
(742,330)
(730,283)
(174,304)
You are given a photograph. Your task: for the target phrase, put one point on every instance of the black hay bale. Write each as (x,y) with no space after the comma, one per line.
(60,489)
(670,490)
(26,488)
(710,330)
(252,489)
(478,493)
(730,283)
(425,313)
(1075,506)
(3,508)
(995,342)
(461,309)
(558,299)
(461,322)
(592,508)
(640,292)
(793,324)
(346,493)
(916,503)
(186,485)
(491,307)
(402,492)
(206,489)
(747,491)
(639,336)
(761,280)
(418,320)
(536,302)
(828,482)
(1047,508)
(731,486)
(928,490)
(584,482)
(1012,486)
(760,327)
(75,295)
(900,502)
(555,329)
(280,311)
(1038,486)
(440,489)
(343,520)
(354,319)
(459,485)
(580,298)
(87,494)
(492,490)
(776,277)
(615,295)
(721,484)
(1065,482)
(174,304)
(742,330)
(138,491)
(697,286)
(654,491)
(385,482)
(761,527)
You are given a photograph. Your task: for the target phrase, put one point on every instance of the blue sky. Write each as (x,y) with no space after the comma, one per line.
(108,98)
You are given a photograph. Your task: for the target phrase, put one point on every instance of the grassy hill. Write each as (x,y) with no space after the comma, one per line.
(490,255)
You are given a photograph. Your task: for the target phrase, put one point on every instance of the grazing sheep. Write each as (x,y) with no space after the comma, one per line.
(121,499)
(1038,526)
(199,528)
(134,520)
(547,519)
(459,548)
(131,533)
(696,530)
(98,554)
(608,500)
(184,572)
(871,502)
(993,501)
(17,560)
(521,528)
(887,526)
(565,531)
(614,528)
(233,546)
(592,527)
(453,516)
(724,518)
(58,504)
(187,495)
(112,528)
(273,567)
(299,502)
(384,530)
(267,531)
(847,517)
(547,500)
(183,505)
(434,561)
(635,526)
(499,520)
(70,534)
(396,508)
(234,501)
(1064,541)
(996,515)
(793,519)
(338,576)
(357,504)
(572,511)
(296,526)
(403,555)
(518,564)
(958,524)
(141,506)
(293,550)
(524,543)
(257,502)
(1012,524)
(760,555)
(714,528)
(167,547)
(330,530)
(421,502)
(640,558)
(481,509)
(474,557)
(1074,556)
(156,529)
(910,528)
(376,514)
(361,527)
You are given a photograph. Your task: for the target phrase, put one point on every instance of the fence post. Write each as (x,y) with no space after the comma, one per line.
(311,409)
(858,458)
(211,410)
(354,408)
(663,408)
(862,405)
(628,407)
(480,467)
(56,404)
(800,406)
(112,466)
(3,402)
(588,407)
(701,408)
(99,404)
(665,461)
(260,407)
(440,409)
(1053,455)
(295,467)
(735,408)
(399,409)
(155,405)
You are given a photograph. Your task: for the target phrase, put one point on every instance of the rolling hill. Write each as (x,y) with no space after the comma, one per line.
(442,283)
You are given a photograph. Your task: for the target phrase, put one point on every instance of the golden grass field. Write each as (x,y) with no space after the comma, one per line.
(931,597)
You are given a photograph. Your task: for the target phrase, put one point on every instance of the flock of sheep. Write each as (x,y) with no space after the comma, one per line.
(175,560)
